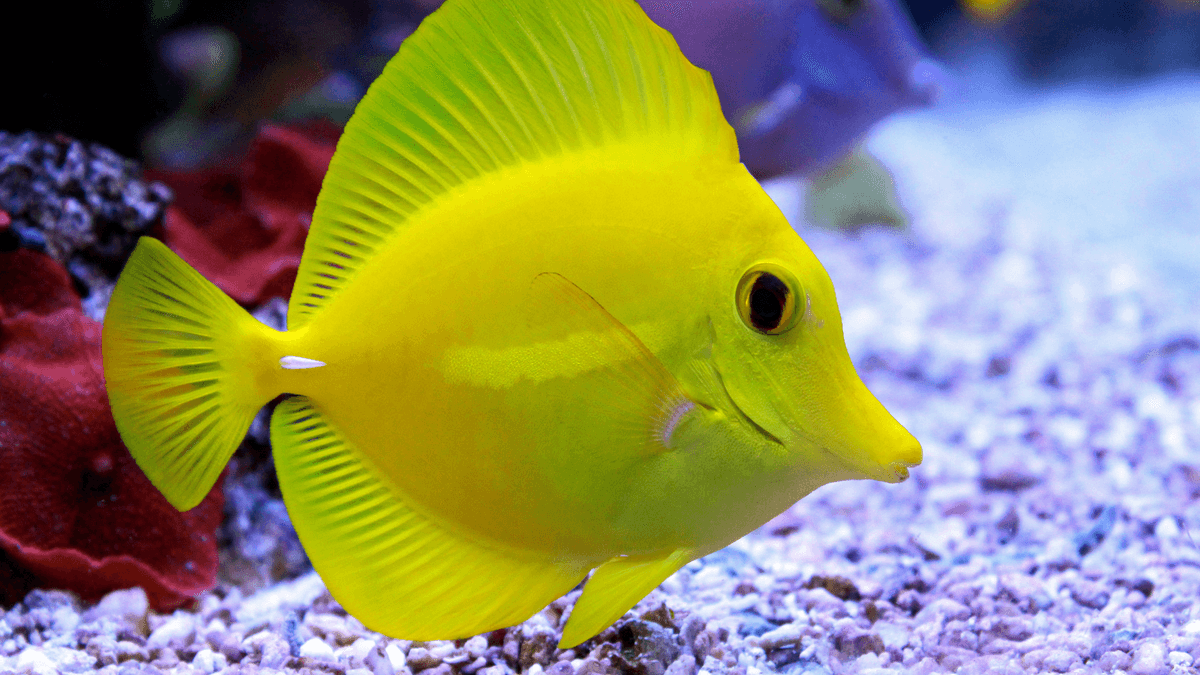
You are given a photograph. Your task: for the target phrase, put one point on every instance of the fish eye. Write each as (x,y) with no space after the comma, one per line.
(766,299)
(840,10)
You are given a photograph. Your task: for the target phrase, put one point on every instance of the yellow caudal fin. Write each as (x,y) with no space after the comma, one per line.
(396,570)
(617,586)
(185,368)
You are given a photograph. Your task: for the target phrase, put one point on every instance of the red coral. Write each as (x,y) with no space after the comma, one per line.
(75,511)
(244,229)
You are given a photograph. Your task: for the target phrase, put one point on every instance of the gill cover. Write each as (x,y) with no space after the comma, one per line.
(785,365)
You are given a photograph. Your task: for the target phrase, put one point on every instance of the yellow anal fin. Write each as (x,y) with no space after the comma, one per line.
(617,586)
(483,86)
(396,570)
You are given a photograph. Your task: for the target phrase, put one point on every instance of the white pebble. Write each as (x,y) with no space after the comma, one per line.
(208,661)
(784,635)
(130,602)
(33,660)
(316,648)
(395,656)
(1167,528)
(177,631)
(1179,659)
(360,648)
(1150,659)
(476,646)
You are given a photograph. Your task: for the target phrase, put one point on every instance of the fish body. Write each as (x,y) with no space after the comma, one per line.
(803,80)
(545,323)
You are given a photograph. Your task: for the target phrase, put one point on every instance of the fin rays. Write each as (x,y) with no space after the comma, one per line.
(487,84)
(398,571)
(173,359)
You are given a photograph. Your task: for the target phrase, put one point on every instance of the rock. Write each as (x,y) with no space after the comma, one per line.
(378,662)
(397,658)
(852,641)
(753,624)
(838,586)
(943,609)
(1089,593)
(1149,659)
(331,626)
(648,640)
(177,632)
(419,658)
(1060,554)
(132,651)
(1112,661)
(538,648)
(128,604)
(35,662)
(789,634)
(895,637)
(208,661)
(476,646)
(1025,591)
(1179,660)
(1015,628)
(684,665)
(318,649)
(274,651)
(358,651)
(1061,661)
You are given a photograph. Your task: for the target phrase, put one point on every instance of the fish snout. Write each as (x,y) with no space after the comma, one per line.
(871,441)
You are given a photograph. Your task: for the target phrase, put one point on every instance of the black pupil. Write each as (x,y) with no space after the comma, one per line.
(768,297)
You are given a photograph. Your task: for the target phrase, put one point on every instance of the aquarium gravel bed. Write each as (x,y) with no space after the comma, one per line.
(1028,330)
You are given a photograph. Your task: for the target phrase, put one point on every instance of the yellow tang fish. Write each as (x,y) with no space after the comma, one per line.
(545,323)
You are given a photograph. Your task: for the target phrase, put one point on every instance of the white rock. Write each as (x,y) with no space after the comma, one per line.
(476,646)
(1179,659)
(894,637)
(317,648)
(208,661)
(177,631)
(67,660)
(395,656)
(1150,659)
(1167,528)
(378,662)
(359,649)
(784,635)
(130,602)
(276,600)
(35,662)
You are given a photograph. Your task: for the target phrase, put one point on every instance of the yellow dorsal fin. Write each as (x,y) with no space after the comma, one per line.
(487,85)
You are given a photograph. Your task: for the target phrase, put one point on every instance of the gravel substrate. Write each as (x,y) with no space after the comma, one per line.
(1031,329)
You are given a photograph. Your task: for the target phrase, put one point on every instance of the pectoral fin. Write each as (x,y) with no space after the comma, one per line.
(617,586)
(631,396)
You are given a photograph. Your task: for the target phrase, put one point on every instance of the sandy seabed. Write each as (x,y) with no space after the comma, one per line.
(1036,329)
